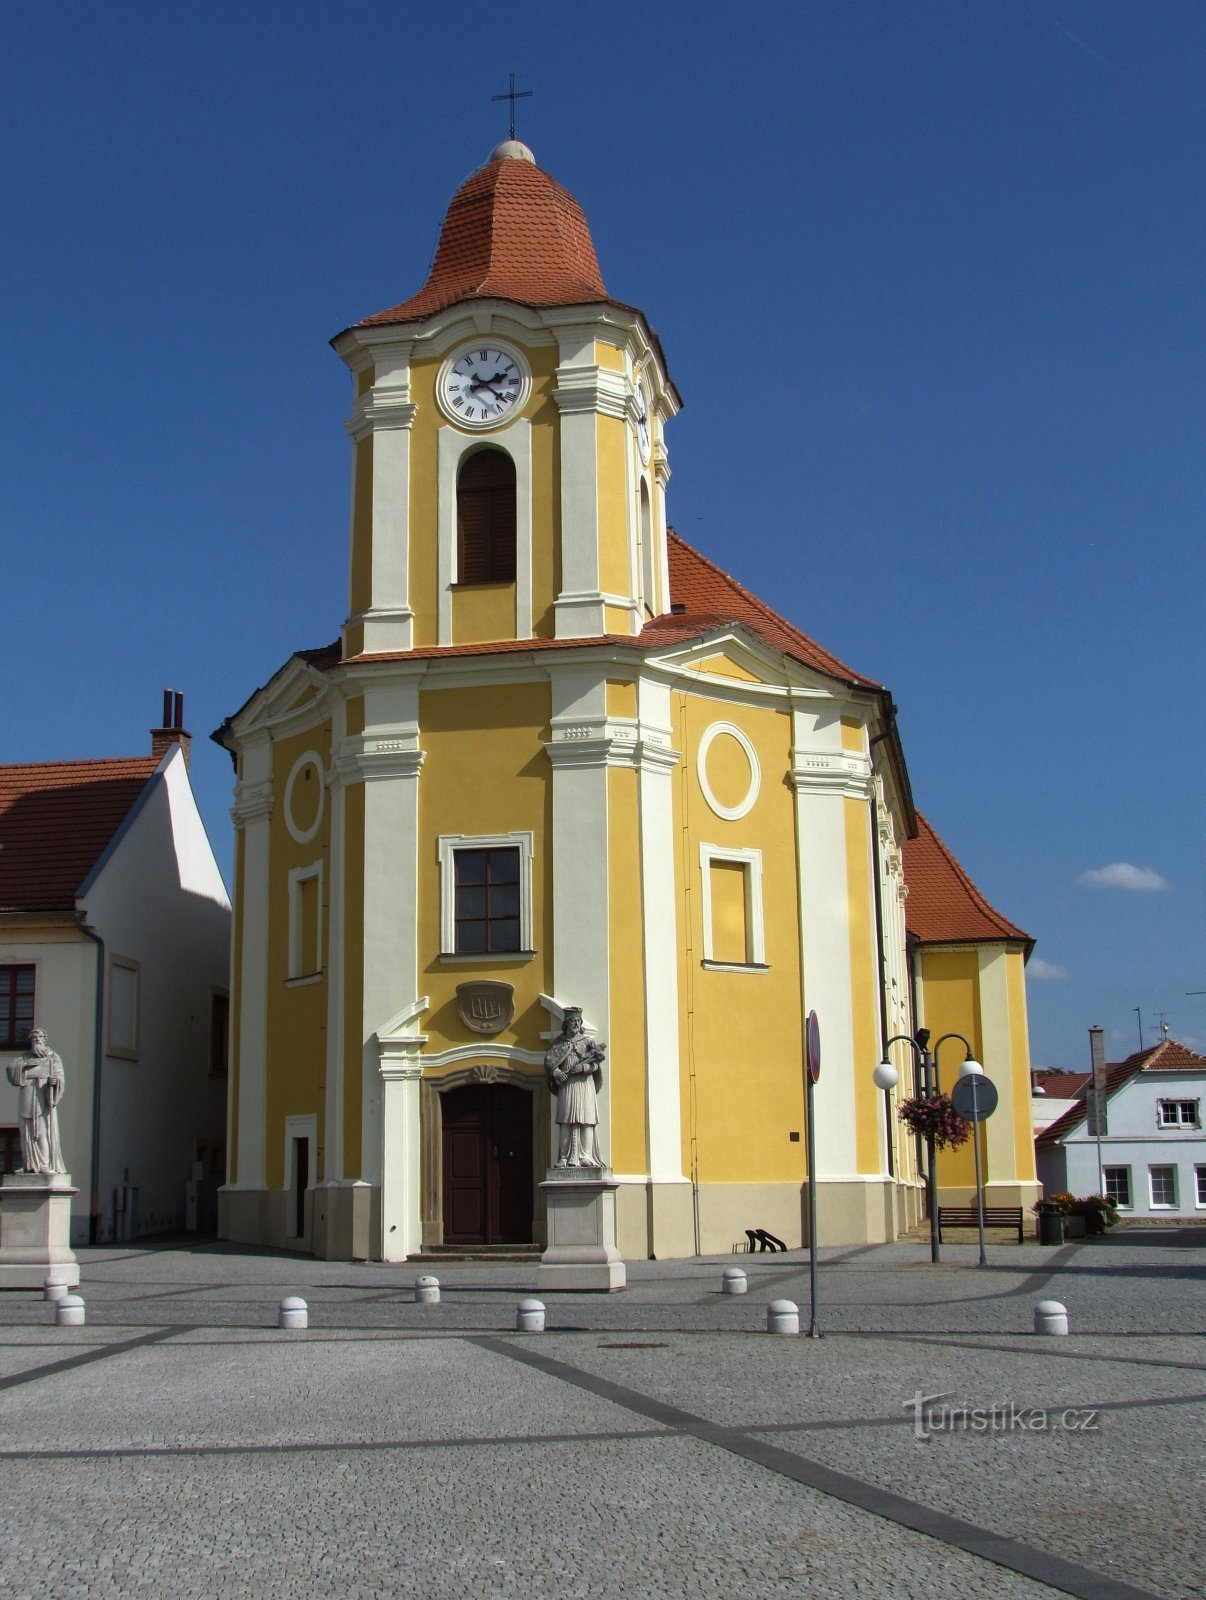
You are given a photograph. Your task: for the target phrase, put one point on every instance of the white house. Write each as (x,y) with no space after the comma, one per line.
(115,940)
(1151,1154)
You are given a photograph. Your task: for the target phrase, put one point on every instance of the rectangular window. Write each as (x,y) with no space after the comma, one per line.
(487,901)
(733,933)
(10,1149)
(1200,1174)
(123,1008)
(16,1006)
(1164,1186)
(486,894)
(305,921)
(219,1032)
(1178,1113)
(1118,1185)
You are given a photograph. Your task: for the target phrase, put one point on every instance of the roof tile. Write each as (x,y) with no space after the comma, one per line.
(944,906)
(56,817)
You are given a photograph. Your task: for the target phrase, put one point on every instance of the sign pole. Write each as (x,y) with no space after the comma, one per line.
(810,1079)
(983,1261)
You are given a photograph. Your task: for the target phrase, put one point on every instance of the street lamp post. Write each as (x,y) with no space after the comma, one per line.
(886,1077)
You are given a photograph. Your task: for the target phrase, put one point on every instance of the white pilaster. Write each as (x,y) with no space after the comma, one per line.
(388,758)
(252,813)
(580,855)
(823,775)
(659,909)
(398,1053)
(386,412)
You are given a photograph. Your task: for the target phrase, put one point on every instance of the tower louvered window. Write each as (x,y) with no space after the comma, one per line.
(485,518)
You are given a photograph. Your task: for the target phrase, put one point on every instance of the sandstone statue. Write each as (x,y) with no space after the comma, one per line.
(39,1078)
(574,1064)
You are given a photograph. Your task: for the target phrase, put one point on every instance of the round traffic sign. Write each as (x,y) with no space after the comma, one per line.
(974,1097)
(814,1047)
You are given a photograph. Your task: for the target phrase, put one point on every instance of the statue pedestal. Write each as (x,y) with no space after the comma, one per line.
(582,1250)
(35,1230)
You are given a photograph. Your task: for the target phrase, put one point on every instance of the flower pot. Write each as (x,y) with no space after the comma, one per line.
(1074,1227)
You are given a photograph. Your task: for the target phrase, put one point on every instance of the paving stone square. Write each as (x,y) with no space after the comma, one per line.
(657,1442)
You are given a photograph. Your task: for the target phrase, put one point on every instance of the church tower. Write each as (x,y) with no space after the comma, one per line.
(557,759)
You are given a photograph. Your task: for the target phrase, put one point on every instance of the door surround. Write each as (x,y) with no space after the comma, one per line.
(431,1122)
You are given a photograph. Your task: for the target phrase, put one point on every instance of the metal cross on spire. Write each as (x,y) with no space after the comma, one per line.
(513,94)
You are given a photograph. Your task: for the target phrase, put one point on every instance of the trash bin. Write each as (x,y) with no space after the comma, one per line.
(1051,1225)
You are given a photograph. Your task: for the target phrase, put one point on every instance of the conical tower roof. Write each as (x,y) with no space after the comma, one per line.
(511,232)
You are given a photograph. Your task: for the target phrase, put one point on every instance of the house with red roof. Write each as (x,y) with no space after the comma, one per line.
(1148,1153)
(115,941)
(557,758)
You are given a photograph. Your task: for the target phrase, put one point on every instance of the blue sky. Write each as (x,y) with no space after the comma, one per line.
(929,277)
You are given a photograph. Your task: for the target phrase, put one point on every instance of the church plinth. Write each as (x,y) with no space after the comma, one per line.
(35,1230)
(582,1250)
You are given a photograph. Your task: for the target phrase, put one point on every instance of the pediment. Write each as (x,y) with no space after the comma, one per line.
(736,658)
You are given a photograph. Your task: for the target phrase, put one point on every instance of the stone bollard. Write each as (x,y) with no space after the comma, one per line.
(293,1313)
(1050,1317)
(529,1316)
(69,1311)
(427,1291)
(55,1287)
(783,1316)
(733,1281)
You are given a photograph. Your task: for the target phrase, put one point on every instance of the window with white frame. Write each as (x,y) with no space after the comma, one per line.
(1163,1181)
(485,894)
(1117,1182)
(1178,1113)
(1200,1176)
(305,921)
(122,1020)
(733,934)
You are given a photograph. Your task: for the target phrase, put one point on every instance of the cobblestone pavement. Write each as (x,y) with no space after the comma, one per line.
(652,1443)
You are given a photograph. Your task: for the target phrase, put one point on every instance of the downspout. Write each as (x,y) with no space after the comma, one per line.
(98,1057)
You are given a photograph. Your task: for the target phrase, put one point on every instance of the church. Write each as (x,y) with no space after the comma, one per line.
(559,759)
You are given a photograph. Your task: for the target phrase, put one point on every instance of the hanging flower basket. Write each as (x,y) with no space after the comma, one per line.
(935,1119)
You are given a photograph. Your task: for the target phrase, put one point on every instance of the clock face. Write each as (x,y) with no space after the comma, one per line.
(642,421)
(483,385)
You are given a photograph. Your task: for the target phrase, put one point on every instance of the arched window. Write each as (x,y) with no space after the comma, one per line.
(646,536)
(485,518)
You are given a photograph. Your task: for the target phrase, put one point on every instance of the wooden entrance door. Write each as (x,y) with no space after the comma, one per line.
(487,1165)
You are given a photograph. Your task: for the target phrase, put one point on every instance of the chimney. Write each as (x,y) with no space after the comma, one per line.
(1095,1097)
(173,730)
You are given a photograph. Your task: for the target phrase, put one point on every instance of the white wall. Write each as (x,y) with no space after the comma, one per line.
(65,1009)
(159,900)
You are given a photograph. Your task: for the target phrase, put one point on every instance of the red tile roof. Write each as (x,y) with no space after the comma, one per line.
(56,817)
(1167,1056)
(511,232)
(1062,1085)
(944,906)
(712,597)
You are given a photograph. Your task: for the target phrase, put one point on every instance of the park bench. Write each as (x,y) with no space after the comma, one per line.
(994,1217)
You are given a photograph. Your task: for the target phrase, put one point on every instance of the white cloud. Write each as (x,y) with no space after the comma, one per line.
(1121,875)
(1044,971)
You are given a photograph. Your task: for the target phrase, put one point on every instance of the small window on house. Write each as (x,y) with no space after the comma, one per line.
(1178,1113)
(732,907)
(16,1006)
(219,1033)
(305,922)
(1117,1182)
(486,894)
(10,1149)
(123,1008)
(485,518)
(1163,1186)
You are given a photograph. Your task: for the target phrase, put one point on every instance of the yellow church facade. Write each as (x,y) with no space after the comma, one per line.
(557,758)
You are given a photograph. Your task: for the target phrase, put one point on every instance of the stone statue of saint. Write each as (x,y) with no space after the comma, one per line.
(574,1065)
(39,1077)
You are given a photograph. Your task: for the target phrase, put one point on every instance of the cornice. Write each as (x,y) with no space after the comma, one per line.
(597,389)
(381,410)
(821,773)
(254,802)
